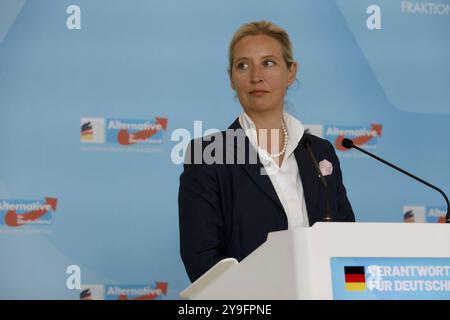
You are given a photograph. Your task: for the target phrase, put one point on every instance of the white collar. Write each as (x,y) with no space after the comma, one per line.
(294,128)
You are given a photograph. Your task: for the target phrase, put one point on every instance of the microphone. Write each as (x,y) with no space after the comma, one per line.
(327,215)
(348,144)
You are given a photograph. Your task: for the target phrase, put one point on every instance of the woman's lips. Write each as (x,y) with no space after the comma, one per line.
(258,93)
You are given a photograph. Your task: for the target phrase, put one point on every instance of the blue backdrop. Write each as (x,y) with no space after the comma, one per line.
(91,93)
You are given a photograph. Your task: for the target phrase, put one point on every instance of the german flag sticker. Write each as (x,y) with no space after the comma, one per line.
(355,279)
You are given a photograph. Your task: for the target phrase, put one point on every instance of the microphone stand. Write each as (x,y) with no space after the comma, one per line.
(327,216)
(347,143)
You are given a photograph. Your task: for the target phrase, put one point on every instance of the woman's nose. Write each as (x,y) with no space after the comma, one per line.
(255,75)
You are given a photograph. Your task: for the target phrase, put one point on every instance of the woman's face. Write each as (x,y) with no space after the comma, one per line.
(259,74)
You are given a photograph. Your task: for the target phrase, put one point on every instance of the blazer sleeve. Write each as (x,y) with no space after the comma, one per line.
(200,218)
(345,210)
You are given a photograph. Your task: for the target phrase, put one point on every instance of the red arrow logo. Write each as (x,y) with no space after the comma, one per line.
(125,138)
(160,287)
(359,140)
(11,217)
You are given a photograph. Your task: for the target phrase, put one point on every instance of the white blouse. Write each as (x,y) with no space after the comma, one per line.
(285,179)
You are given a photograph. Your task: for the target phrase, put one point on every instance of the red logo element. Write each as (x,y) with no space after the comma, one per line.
(12,217)
(161,288)
(359,140)
(125,138)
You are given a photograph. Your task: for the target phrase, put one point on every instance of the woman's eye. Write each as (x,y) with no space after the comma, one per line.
(242,66)
(269,63)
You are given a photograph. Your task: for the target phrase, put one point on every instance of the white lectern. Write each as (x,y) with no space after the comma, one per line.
(297,264)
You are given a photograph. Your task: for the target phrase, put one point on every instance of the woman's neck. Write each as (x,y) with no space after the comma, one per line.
(269,131)
(267,120)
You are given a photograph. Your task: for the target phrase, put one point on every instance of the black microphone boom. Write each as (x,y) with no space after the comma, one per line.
(327,215)
(348,144)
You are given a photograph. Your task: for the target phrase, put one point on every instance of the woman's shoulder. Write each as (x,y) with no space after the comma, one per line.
(320,145)
(315,140)
(209,149)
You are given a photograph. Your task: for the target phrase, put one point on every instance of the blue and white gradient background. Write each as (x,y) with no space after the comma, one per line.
(117,213)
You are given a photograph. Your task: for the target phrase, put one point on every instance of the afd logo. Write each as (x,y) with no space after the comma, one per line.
(124,132)
(428,214)
(17,213)
(364,136)
(124,292)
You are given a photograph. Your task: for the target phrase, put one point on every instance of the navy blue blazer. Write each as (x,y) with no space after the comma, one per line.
(227,210)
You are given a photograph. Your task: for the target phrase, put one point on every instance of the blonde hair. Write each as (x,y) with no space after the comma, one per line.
(262,28)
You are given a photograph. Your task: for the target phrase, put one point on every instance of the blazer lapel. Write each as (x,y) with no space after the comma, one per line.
(255,170)
(309,177)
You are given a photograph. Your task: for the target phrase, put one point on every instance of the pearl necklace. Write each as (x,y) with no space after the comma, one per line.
(276,155)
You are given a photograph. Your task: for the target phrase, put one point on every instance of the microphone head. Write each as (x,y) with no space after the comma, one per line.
(347,143)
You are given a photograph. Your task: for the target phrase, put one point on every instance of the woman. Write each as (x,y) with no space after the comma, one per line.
(227,210)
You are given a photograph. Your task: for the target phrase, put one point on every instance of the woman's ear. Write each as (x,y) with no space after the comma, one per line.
(292,75)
